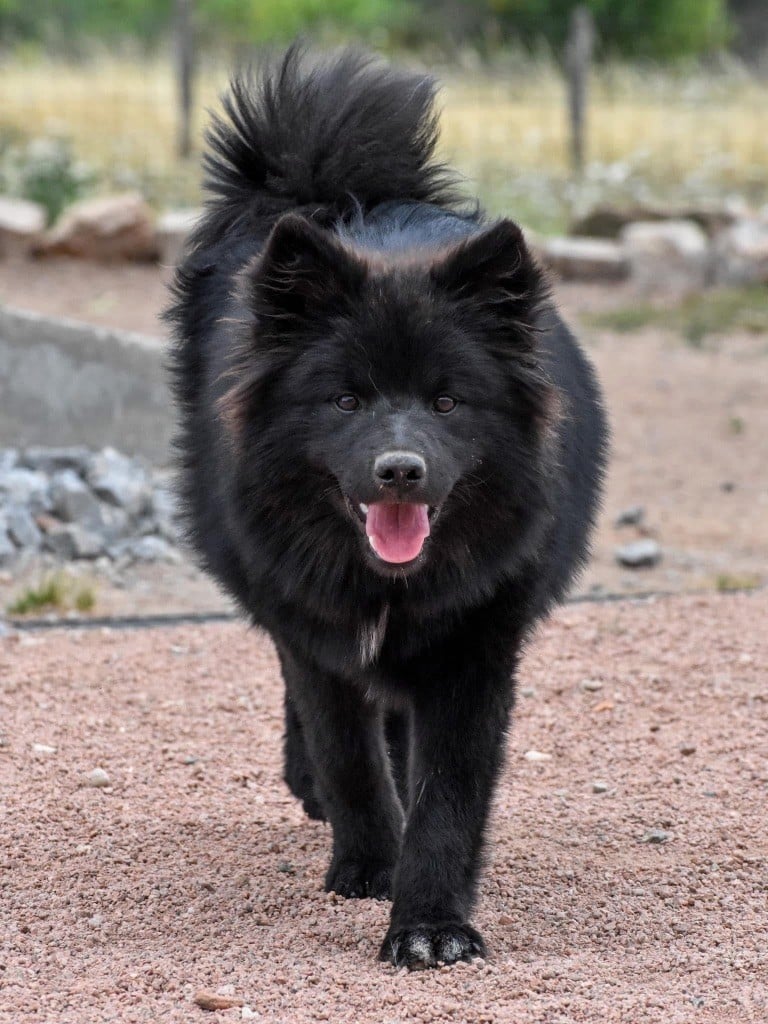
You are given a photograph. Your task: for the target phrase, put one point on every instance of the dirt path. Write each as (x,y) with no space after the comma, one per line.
(195,869)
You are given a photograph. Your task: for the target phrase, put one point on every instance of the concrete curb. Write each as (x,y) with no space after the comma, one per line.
(67,383)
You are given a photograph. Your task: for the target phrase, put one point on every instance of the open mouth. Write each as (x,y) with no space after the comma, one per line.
(396,531)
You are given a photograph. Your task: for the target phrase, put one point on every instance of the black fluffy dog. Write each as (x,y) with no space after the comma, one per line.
(392,452)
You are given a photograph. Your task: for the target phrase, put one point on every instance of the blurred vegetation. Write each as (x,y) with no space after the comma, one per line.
(713,314)
(661,29)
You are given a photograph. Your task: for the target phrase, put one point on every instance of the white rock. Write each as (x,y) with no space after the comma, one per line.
(667,256)
(172,230)
(98,778)
(740,254)
(585,259)
(21,226)
(536,755)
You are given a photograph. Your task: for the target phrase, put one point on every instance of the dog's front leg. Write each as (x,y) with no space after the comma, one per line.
(459,725)
(344,736)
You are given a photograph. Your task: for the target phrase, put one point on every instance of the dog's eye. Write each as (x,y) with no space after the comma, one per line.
(348,403)
(444,404)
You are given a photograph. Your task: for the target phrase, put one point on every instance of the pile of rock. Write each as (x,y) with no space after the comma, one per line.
(75,503)
(664,250)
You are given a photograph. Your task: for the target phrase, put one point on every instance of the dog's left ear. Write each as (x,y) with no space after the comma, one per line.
(494,276)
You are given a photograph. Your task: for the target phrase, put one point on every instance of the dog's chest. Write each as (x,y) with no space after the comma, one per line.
(371,636)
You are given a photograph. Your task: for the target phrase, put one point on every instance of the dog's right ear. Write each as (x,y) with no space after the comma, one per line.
(303,274)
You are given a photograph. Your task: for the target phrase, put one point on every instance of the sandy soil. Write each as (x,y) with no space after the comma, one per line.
(690,438)
(194,869)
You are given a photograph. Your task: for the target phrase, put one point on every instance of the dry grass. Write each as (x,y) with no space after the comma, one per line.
(507,132)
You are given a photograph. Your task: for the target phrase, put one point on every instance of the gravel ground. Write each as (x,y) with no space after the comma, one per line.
(188,867)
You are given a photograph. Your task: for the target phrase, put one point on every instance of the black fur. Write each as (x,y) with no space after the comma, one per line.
(333,260)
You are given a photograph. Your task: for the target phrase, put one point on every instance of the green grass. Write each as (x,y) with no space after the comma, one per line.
(713,313)
(57,592)
(653,132)
(726,581)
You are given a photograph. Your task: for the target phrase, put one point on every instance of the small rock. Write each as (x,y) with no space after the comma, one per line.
(25,487)
(149,549)
(8,550)
(247,1013)
(22,528)
(119,480)
(600,787)
(591,685)
(98,778)
(73,501)
(536,756)
(686,749)
(655,836)
(207,1000)
(43,748)
(8,459)
(21,225)
(639,554)
(53,460)
(71,541)
(631,516)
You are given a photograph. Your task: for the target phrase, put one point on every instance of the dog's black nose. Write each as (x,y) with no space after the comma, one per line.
(399,470)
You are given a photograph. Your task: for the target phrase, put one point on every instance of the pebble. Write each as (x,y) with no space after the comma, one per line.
(686,749)
(98,778)
(43,748)
(639,554)
(655,836)
(536,755)
(631,516)
(600,787)
(591,685)
(213,1001)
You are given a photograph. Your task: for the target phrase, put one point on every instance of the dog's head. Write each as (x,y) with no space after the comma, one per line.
(403,392)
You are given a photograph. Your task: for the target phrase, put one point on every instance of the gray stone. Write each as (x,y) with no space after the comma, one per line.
(9,457)
(655,836)
(148,549)
(7,547)
(600,787)
(25,487)
(172,230)
(53,460)
(73,501)
(72,541)
(98,778)
(585,259)
(631,516)
(668,256)
(22,528)
(639,554)
(608,221)
(21,226)
(740,253)
(164,510)
(119,480)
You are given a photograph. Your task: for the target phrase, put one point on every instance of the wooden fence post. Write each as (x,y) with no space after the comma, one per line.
(185,60)
(578,57)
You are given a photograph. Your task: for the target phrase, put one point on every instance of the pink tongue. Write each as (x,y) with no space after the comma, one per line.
(397,532)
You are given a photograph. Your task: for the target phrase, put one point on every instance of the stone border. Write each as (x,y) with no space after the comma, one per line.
(69,383)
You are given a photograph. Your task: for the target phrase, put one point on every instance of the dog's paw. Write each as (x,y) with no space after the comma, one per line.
(360,878)
(428,945)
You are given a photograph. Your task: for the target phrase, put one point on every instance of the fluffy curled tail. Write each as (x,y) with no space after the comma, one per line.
(335,135)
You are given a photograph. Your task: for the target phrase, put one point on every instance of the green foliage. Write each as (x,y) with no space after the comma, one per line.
(659,29)
(718,312)
(44,170)
(56,592)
